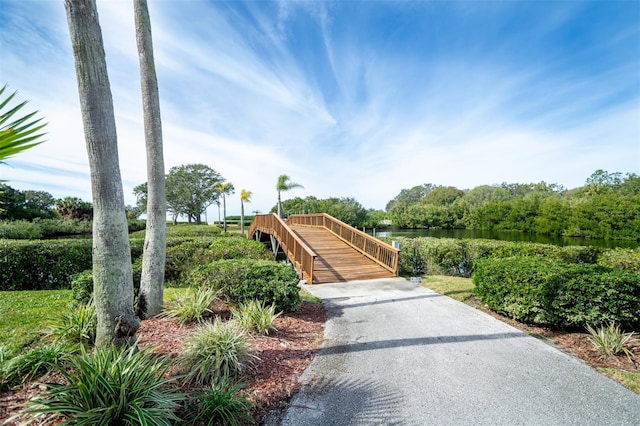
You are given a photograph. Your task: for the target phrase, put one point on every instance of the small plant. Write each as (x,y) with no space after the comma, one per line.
(193,308)
(77,324)
(216,349)
(610,340)
(36,362)
(254,316)
(111,386)
(222,404)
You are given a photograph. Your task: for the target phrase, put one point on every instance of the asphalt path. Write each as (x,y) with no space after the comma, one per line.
(399,354)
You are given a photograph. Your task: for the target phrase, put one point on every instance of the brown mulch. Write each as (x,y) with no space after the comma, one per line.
(272,379)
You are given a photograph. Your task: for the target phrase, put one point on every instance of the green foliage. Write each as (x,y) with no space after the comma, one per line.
(183,254)
(218,349)
(237,247)
(190,190)
(74,208)
(194,307)
(547,291)
(17,133)
(75,325)
(36,265)
(610,340)
(624,259)
(255,316)
(241,280)
(25,205)
(82,286)
(348,210)
(43,228)
(222,404)
(112,386)
(35,363)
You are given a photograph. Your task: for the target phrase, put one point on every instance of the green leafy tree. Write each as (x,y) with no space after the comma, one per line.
(245,197)
(223,189)
(190,190)
(17,133)
(74,208)
(284,184)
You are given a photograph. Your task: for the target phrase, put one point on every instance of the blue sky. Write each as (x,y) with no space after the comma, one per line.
(350,98)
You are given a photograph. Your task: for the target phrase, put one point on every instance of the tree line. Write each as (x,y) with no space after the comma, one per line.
(606,207)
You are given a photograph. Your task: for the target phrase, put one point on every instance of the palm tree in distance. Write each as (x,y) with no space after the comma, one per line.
(224,188)
(245,197)
(284,185)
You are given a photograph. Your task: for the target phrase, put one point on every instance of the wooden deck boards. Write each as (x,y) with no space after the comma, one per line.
(337,261)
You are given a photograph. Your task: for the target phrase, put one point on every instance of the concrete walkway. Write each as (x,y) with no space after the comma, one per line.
(398,354)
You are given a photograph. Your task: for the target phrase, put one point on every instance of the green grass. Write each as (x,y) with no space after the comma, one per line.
(24,315)
(628,379)
(305,296)
(457,288)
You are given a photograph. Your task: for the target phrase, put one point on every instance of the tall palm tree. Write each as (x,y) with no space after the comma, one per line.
(155,245)
(112,274)
(19,134)
(224,188)
(284,185)
(245,197)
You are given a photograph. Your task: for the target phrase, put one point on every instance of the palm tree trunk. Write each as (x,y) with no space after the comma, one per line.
(241,216)
(224,212)
(279,206)
(154,256)
(112,276)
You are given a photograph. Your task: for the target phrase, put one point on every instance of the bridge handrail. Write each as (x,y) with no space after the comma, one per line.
(298,253)
(380,252)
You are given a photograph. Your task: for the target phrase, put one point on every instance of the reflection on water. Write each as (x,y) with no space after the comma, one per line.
(505,236)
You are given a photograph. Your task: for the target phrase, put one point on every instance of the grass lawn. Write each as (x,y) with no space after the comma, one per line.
(629,379)
(457,288)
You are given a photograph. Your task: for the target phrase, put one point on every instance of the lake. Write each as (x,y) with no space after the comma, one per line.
(505,236)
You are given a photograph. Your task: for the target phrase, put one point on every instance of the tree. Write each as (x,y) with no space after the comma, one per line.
(245,197)
(155,241)
(284,185)
(25,205)
(112,274)
(19,134)
(224,188)
(74,208)
(190,190)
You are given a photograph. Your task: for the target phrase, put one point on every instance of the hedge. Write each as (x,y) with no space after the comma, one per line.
(552,292)
(241,280)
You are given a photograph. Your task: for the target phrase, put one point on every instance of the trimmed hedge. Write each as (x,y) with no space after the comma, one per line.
(241,280)
(623,259)
(552,292)
(457,257)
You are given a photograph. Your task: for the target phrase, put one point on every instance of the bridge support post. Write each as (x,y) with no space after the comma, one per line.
(275,245)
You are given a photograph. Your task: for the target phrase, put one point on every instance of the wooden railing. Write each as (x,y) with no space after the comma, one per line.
(376,250)
(298,253)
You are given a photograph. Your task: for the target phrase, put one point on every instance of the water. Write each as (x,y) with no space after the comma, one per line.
(505,236)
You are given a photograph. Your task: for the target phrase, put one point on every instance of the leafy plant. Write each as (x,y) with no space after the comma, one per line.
(111,386)
(77,324)
(192,308)
(255,316)
(216,349)
(36,362)
(19,134)
(610,340)
(222,404)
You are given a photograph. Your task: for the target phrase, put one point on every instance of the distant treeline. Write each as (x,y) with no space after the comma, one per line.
(606,207)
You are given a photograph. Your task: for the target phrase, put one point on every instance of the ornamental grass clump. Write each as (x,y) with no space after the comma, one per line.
(610,340)
(111,386)
(36,362)
(192,308)
(254,316)
(217,349)
(77,324)
(222,404)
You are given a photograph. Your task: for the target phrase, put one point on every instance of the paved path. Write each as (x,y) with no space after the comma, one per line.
(398,354)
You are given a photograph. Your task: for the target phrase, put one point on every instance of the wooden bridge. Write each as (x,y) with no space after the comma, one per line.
(324,249)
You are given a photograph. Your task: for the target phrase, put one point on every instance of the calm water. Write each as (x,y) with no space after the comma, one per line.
(503,235)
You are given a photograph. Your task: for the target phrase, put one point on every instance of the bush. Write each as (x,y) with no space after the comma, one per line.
(255,316)
(42,265)
(623,259)
(218,349)
(34,363)
(610,340)
(222,404)
(76,325)
(183,254)
(192,308)
(82,287)
(241,280)
(237,247)
(552,292)
(112,386)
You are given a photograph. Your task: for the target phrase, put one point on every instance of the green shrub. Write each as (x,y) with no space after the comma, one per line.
(242,280)
(112,386)
(624,259)
(192,308)
(237,247)
(182,255)
(36,362)
(82,287)
(222,404)
(255,316)
(547,291)
(610,340)
(42,265)
(218,349)
(76,325)
(19,230)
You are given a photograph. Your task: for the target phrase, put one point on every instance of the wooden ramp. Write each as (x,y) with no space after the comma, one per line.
(337,261)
